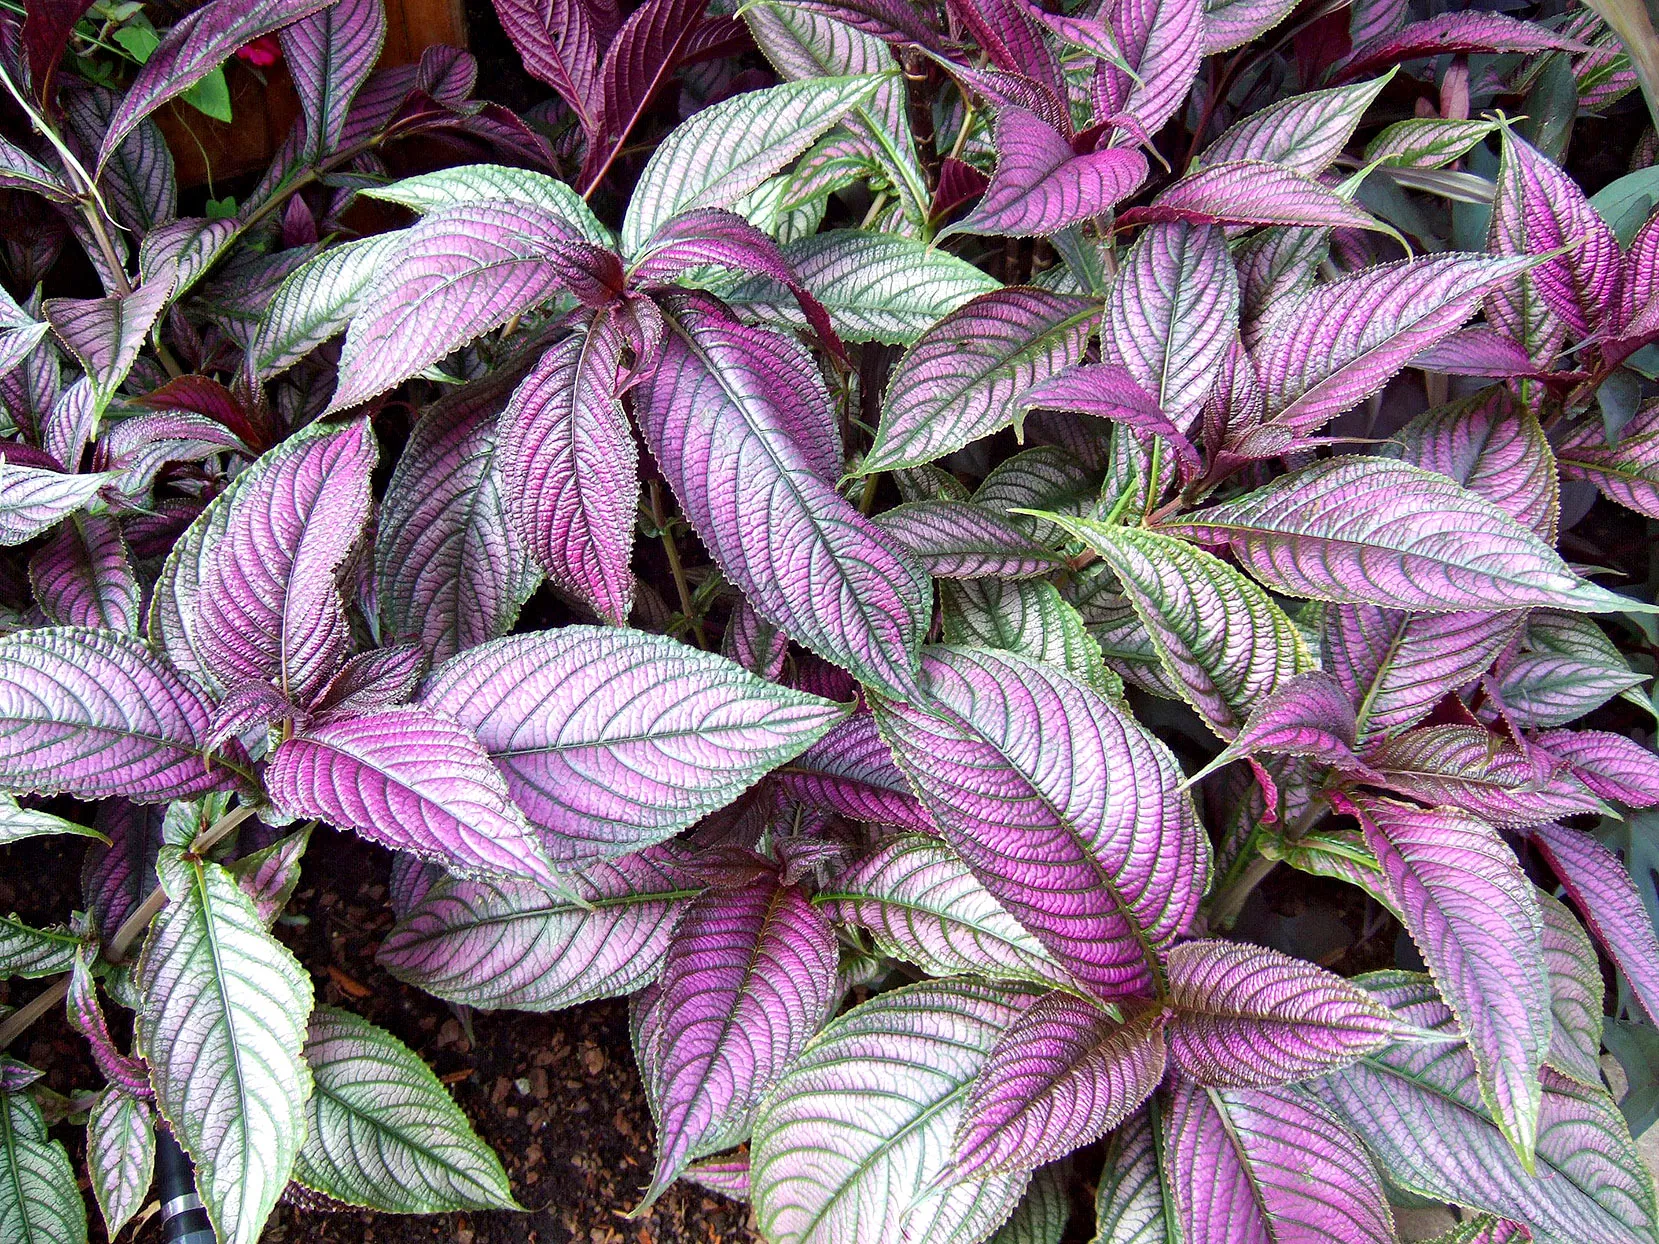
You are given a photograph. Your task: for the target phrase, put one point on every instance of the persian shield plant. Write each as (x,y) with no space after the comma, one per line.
(885,534)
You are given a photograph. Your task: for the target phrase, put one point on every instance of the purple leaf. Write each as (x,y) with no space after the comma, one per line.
(193,49)
(961,540)
(269,604)
(47,27)
(754,643)
(722,429)
(330,54)
(850,771)
(1171,313)
(82,576)
(1042,186)
(1418,1106)
(86,1016)
(1456,32)
(748,977)
(1471,768)
(960,380)
(1539,209)
(96,714)
(1473,915)
(1627,472)
(1577,997)
(1252,192)
(1164,41)
(512,944)
(106,334)
(1309,715)
(851,1143)
(1269,1166)
(373,680)
(120,1155)
(117,878)
(560,42)
(1230,24)
(1397,666)
(1111,392)
(1029,616)
(460,272)
(1479,351)
(1494,447)
(451,570)
(570,469)
(413,780)
(34,499)
(1245,1016)
(1060,1076)
(315,302)
(1220,637)
(1305,133)
(1332,347)
(727,1176)
(611,740)
(1010,40)
(1611,765)
(1078,830)
(138,182)
(1639,291)
(1129,1201)
(1367,531)
(1602,890)
(269,875)
(921,904)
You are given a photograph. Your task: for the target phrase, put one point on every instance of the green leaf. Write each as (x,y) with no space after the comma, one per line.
(383,1132)
(18,823)
(1625,204)
(39,1200)
(30,953)
(723,152)
(315,303)
(1027,616)
(222,1026)
(211,96)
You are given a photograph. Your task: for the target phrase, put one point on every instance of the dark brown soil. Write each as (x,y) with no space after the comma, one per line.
(556,1096)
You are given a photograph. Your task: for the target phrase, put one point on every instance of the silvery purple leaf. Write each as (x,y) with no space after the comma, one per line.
(611,739)
(456,274)
(96,714)
(727,1176)
(71,423)
(725,151)
(193,49)
(1553,688)
(852,1141)
(1577,997)
(1539,209)
(754,643)
(1479,351)
(269,603)
(1309,715)
(86,1016)
(414,780)
(561,42)
(1494,447)
(82,576)
(1454,32)
(120,1155)
(117,878)
(1245,1016)
(193,244)
(1397,666)
(1602,890)
(723,428)
(1338,343)
(137,182)
(959,381)
(1269,1166)
(1473,915)
(1221,638)
(850,771)
(1614,767)
(35,498)
(1367,531)
(382,1131)
(512,944)
(315,302)
(1077,829)
(1060,1076)
(1471,768)
(922,905)
(270,874)
(451,570)
(1029,616)
(748,977)
(425,193)
(1042,185)
(1252,192)
(1230,24)
(961,540)
(1164,41)
(1305,132)
(1639,292)
(106,334)
(374,679)
(1418,1107)
(1426,142)
(330,54)
(1130,1199)
(21,171)
(570,469)
(1111,392)
(1628,471)
(31,953)
(1171,313)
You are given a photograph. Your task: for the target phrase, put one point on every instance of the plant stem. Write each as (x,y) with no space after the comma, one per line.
(660,516)
(1225,909)
(94,218)
(18,1022)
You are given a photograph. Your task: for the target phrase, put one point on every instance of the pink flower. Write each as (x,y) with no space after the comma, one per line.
(262,53)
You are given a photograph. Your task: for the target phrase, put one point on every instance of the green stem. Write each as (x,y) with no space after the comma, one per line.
(659,516)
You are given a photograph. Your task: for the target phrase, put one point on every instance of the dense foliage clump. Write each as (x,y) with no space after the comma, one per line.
(871,529)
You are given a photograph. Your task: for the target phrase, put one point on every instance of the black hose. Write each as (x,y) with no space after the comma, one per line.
(183,1220)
